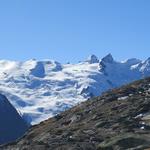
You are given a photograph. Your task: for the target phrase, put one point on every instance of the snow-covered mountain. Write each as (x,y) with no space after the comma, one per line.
(12,126)
(41,89)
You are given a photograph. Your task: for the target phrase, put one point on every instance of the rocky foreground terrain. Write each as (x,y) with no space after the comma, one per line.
(117,120)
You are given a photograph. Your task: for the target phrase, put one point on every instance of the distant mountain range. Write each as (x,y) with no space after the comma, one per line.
(42,89)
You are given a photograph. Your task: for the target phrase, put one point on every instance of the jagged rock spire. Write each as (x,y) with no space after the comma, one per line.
(108,58)
(92,59)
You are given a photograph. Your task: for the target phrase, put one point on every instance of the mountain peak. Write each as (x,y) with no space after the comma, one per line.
(132,61)
(92,59)
(108,58)
(148,60)
(145,66)
(146,63)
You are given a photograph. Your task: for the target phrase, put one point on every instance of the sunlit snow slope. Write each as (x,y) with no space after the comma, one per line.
(41,89)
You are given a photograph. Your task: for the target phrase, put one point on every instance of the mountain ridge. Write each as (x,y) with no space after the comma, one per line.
(118,119)
(42,89)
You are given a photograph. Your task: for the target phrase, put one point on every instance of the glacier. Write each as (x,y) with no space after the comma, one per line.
(42,89)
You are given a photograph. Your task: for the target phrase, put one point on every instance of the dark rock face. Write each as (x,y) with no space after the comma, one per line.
(12,126)
(117,120)
(93,59)
(108,59)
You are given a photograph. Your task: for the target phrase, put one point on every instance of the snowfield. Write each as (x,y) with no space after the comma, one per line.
(42,89)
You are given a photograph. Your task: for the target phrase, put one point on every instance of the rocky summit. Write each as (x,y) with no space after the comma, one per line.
(117,120)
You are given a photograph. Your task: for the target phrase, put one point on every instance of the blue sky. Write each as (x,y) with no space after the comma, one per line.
(70,30)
